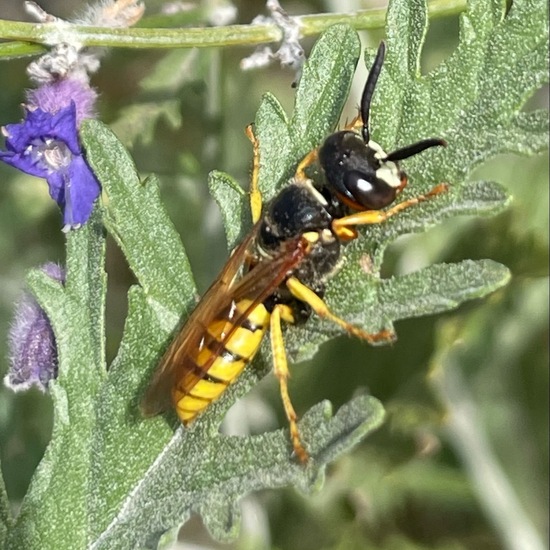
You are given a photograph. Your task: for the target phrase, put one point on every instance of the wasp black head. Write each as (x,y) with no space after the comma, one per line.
(356,168)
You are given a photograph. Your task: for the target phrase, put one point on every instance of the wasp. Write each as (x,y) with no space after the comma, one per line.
(279,272)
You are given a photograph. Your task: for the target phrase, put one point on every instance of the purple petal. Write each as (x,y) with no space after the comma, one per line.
(64,128)
(80,196)
(56,187)
(58,95)
(39,126)
(25,162)
(33,351)
(47,145)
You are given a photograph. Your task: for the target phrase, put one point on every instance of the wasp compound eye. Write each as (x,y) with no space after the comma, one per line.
(372,194)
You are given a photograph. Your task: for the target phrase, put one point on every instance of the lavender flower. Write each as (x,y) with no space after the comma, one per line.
(46,145)
(33,351)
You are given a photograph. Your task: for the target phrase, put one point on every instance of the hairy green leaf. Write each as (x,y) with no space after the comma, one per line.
(232,200)
(57,499)
(5,514)
(112,479)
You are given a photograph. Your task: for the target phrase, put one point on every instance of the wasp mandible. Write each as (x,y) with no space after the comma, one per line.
(280,270)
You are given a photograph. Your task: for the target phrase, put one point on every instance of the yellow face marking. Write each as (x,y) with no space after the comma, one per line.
(327,236)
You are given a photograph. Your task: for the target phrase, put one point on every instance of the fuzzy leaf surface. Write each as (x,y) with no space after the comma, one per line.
(154,455)
(111,479)
(57,499)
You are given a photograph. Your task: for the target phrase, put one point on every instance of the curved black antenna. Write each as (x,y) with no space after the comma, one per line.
(414,149)
(369,89)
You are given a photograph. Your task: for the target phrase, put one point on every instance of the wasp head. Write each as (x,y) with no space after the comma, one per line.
(356,168)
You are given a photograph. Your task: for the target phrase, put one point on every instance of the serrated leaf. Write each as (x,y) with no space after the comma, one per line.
(233,204)
(6,520)
(473,99)
(323,89)
(137,220)
(57,499)
(418,293)
(220,469)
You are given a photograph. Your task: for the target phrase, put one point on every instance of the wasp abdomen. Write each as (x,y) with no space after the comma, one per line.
(224,351)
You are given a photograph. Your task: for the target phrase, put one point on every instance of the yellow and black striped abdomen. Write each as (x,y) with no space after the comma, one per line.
(227,357)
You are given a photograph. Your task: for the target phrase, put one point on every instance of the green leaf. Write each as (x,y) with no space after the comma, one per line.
(137,220)
(57,499)
(6,520)
(233,203)
(323,89)
(419,293)
(205,472)
(112,479)
(473,99)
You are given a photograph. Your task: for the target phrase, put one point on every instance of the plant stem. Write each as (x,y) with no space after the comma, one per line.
(199,37)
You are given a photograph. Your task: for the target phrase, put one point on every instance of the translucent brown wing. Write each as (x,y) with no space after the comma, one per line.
(157,396)
(256,285)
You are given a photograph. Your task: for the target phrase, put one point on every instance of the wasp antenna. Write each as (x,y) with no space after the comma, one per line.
(369,89)
(414,149)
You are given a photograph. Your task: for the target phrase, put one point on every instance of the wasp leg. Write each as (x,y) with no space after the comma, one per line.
(255,195)
(307,161)
(280,366)
(355,124)
(305,294)
(378,216)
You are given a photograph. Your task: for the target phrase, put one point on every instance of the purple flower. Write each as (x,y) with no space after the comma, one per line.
(46,145)
(33,351)
(57,95)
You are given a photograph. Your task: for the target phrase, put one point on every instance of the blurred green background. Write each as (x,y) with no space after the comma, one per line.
(423,480)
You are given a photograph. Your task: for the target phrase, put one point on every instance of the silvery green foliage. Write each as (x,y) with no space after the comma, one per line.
(109,478)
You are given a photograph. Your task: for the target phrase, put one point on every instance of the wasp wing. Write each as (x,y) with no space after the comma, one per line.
(256,285)
(157,398)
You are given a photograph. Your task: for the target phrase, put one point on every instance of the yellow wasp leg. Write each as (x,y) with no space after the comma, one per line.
(280,366)
(307,161)
(378,216)
(255,195)
(305,294)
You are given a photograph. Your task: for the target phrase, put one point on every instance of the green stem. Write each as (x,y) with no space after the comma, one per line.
(202,37)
